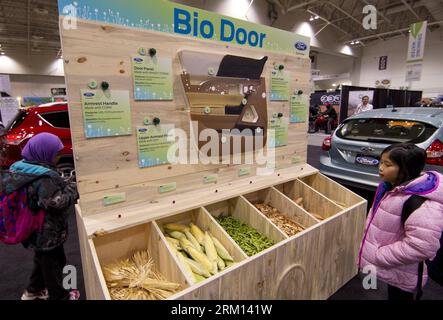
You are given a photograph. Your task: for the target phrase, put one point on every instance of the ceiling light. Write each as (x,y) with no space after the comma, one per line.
(311,18)
(317,17)
(357,42)
(352,43)
(334,84)
(3,53)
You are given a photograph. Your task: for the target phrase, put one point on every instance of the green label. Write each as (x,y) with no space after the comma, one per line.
(113,199)
(152,78)
(280,80)
(169,17)
(168,187)
(154,145)
(296,159)
(106,113)
(210,179)
(299,108)
(244,171)
(278,132)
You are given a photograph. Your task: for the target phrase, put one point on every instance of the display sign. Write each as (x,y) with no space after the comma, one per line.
(383,63)
(152,78)
(8,110)
(58,91)
(355,98)
(153,144)
(169,17)
(414,71)
(278,132)
(280,80)
(106,113)
(417,38)
(299,108)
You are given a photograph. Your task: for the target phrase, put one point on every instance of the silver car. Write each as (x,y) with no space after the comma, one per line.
(352,154)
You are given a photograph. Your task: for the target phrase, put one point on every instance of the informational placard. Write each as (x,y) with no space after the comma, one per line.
(417,39)
(8,109)
(280,85)
(299,108)
(278,132)
(154,143)
(106,113)
(152,78)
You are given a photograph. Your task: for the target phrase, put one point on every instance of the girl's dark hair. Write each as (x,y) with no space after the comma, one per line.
(409,158)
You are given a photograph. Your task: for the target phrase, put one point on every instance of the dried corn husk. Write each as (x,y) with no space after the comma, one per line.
(137,279)
(287,225)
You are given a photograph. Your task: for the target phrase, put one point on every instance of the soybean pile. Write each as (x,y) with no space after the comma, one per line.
(250,240)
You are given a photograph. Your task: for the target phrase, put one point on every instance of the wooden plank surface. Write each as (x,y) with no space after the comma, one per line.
(110,165)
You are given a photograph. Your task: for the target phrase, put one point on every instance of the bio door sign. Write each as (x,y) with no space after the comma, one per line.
(174,18)
(187,24)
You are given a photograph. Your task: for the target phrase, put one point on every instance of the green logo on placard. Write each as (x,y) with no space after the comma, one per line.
(168,187)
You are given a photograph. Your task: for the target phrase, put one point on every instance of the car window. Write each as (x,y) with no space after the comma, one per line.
(18,119)
(386,130)
(57,119)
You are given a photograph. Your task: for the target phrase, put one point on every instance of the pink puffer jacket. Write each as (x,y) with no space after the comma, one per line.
(396,250)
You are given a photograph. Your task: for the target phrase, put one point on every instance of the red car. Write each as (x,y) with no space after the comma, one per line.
(52,118)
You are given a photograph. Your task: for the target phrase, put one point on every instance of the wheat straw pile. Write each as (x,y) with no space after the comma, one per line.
(138,279)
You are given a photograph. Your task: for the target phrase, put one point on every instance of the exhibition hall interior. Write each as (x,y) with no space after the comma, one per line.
(221,150)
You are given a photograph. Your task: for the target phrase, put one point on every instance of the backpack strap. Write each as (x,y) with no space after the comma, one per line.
(413,203)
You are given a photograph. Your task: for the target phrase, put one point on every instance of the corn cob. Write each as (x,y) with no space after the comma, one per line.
(174,243)
(194,241)
(221,264)
(198,268)
(198,278)
(185,242)
(211,253)
(177,235)
(221,250)
(197,233)
(199,257)
(186,266)
(175,227)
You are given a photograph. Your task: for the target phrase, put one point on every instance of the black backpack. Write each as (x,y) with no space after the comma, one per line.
(435,267)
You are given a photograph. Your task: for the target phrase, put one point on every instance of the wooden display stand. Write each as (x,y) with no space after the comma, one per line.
(313,264)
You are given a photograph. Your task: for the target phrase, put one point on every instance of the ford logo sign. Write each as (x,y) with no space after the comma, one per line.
(138,59)
(89,94)
(142,130)
(301,46)
(367,161)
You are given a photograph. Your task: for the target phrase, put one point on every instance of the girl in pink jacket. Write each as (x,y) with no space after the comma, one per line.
(396,250)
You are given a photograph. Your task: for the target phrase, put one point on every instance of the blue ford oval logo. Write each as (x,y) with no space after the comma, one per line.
(138,59)
(142,130)
(367,161)
(89,94)
(301,46)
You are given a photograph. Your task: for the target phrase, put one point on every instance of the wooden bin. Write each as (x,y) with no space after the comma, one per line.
(283,204)
(123,244)
(335,192)
(315,203)
(313,264)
